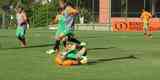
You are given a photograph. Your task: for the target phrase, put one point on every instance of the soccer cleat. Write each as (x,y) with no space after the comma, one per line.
(84,60)
(150,36)
(51,51)
(83,44)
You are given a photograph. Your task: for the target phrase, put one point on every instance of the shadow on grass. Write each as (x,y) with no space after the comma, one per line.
(4,36)
(33,46)
(91,49)
(46,45)
(111,59)
(92,37)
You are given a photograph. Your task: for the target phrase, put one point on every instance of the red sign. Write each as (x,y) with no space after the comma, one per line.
(134,26)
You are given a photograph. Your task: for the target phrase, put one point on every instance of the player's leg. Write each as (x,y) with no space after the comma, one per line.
(58,38)
(63,38)
(55,47)
(150,35)
(23,42)
(82,55)
(82,52)
(145,28)
(20,33)
(64,42)
(72,38)
(58,59)
(149,32)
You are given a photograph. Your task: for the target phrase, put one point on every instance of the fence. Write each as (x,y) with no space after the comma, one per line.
(40,15)
(119,11)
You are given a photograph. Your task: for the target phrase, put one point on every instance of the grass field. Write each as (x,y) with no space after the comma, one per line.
(109,57)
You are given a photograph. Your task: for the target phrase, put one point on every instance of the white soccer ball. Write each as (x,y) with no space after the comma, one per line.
(84,60)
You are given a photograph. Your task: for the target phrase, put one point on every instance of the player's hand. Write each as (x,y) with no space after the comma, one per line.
(54,20)
(28,26)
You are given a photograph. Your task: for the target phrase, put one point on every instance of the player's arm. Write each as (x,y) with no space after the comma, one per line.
(24,17)
(54,20)
(150,15)
(26,20)
(141,16)
(72,11)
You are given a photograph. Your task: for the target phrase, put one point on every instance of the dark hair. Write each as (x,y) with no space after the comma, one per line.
(60,10)
(53,17)
(64,1)
(20,7)
(70,4)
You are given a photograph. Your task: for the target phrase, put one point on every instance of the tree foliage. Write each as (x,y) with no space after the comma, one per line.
(38,14)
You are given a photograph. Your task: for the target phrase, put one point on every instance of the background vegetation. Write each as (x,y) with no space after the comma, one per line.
(39,14)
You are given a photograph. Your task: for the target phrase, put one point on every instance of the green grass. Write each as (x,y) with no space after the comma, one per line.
(108,57)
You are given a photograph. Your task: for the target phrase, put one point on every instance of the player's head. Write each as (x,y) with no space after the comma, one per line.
(20,9)
(60,10)
(62,3)
(70,4)
(70,46)
(143,10)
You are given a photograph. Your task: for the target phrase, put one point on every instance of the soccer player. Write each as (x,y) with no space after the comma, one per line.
(21,26)
(59,36)
(70,13)
(74,51)
(74,54)
(146,16)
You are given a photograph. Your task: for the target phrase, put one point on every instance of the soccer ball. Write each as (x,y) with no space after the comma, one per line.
(84,60)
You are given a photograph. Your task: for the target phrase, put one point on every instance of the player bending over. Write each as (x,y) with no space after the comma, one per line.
(146,16)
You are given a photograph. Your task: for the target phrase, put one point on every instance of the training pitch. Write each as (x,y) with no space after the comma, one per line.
(112,56)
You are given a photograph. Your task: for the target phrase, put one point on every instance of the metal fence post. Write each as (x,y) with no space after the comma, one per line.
(3,19)
(110,16)
(153,7)
(93,11)
(144,4)
(47,15)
